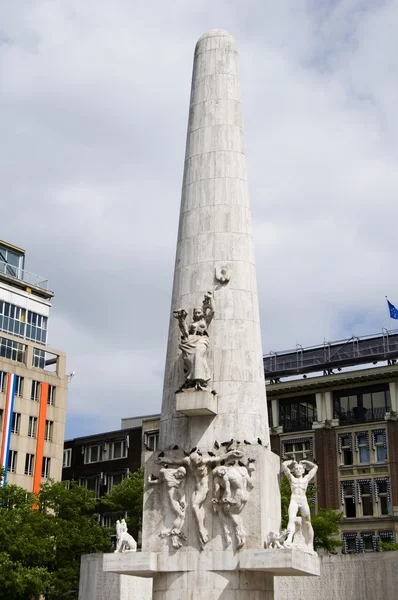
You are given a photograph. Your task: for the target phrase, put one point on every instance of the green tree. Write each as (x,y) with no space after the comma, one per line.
(44,536)
(387,546)
(128,498)
(326,523)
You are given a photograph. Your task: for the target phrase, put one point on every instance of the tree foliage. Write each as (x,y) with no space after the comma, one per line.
(128,498)
(43,537)
(387,546)
(325,523)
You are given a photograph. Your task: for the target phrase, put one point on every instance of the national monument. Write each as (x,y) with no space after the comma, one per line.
(212,500)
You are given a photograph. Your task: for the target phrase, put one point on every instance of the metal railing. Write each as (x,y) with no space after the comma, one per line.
(361,415)
(23,275)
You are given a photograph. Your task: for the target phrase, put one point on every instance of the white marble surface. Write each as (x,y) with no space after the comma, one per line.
(194,403)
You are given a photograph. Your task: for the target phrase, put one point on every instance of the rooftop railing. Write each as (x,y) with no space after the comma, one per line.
(22,275)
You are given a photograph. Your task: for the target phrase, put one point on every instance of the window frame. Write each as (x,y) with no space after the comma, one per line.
(67,453)
(45,467)
(15,423)
(12,464)
(32,426)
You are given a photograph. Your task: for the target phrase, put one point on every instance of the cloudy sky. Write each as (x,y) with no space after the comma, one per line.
(94,104)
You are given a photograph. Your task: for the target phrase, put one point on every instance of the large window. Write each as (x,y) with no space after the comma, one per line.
(45,467)
(12,350)
(2,381)
(297,449)
(117,449)
(48,431)
(93,454)
(67,461)
(35,392)
(114,479)
(15,423)
(18,385)
(12,461)
(358,406)
(32,427)
(51,395)
(92,483)
(13,319)
(298,413)
(366,497)
(151,439)
(11,261)
(370,447)
(29,461)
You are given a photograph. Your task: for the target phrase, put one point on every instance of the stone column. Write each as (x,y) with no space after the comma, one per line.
(215,234)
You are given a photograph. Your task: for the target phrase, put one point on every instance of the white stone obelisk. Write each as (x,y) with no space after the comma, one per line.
(212,492)
(215,233)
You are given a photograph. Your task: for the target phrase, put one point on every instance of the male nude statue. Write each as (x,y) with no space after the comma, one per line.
(199,466)
(298,501)
(232,487)
(175,482)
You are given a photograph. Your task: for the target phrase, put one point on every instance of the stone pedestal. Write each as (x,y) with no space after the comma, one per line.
(193,403)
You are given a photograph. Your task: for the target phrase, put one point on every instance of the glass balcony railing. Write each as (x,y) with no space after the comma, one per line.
(22,275)
(361,415)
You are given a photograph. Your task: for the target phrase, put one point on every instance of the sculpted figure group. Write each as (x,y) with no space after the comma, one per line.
(232,486)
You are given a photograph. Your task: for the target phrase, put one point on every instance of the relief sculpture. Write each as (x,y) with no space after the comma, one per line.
(232,487)
(174,480)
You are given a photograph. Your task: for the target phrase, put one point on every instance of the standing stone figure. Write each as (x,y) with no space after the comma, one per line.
(175,482)
(195,343)
(199,467)
(232,487)
(295,472)
(124,541)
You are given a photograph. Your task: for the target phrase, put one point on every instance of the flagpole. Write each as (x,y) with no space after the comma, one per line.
(389,314)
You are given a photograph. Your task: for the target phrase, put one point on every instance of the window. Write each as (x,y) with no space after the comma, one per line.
(152,439)
(297,449)
(362,446)
(18,385)
(92,483)
(39,358)
(380,444)
(348,499)
(29,459)
(12,319)
(16,421)
(350,543)
(32,427)
(45,467)
(360,405)
(51,395)
(298,413)
(36,328)
(93,454)
(12,350)
(12,262)
(1,418)
(114,479)
(12,461)
(2,381)
(365,496)
(369,541)
(117,450)
(109,520)
(382,494)
(67,461)
(345,449)
(48,432)
(35,391)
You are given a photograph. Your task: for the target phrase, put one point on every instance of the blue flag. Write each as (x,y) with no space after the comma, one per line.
(393,310)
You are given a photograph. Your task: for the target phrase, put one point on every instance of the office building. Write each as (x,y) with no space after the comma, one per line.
(345,417)
(33,382)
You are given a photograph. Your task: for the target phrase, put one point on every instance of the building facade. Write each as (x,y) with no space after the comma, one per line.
(101,461)
(347,421)
(33,382)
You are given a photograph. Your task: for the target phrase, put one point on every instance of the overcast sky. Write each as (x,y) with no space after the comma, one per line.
(94,103)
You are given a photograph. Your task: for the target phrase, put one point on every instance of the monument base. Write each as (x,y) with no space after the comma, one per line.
(245,575)
(284,562)
(192,403)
